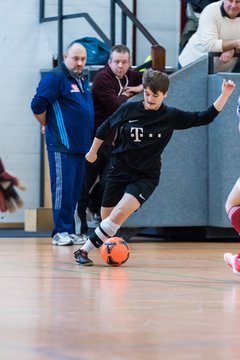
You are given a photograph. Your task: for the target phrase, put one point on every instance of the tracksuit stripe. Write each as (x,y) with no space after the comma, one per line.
(58,198)
(60,123)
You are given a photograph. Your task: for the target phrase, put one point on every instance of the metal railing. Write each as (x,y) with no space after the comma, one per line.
(60,17)
(212,55)
(158,52)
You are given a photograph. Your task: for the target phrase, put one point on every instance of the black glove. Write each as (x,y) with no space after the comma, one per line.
(9,198)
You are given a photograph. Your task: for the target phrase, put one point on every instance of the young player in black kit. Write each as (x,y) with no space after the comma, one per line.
(144,129)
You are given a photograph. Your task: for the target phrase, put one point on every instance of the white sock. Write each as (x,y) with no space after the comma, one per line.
(106,229)
(88,246)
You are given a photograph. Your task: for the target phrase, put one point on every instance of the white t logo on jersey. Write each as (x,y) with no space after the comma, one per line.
(136,133)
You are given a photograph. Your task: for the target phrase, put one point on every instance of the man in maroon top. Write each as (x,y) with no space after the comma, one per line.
(112,86)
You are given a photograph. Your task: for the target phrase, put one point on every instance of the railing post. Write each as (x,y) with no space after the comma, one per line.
(158,57)
(41,10)
(210,62)
(124,28)
(112,22)
(60,31)
(134,34)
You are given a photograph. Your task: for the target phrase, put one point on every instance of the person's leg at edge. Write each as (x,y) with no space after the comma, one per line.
(113,218)
(93,170)
(233,210)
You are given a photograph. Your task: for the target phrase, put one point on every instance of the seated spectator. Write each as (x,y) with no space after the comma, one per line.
(218,31)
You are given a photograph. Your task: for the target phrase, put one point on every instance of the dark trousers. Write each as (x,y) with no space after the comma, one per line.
(92,191)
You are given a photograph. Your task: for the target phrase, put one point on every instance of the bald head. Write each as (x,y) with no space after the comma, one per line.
(75,58)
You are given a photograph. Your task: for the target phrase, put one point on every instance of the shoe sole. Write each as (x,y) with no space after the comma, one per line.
(236,272)
(87,264)
(233,270)
(65,244)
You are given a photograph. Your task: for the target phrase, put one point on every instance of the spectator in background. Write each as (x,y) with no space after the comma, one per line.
(193,11)
(63,103)
(218,31)
(112,86)
(9,198)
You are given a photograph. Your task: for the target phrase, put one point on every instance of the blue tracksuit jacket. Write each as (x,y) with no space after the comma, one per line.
(69,134)
(70,114)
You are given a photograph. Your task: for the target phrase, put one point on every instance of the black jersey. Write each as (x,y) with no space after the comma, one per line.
(142,135)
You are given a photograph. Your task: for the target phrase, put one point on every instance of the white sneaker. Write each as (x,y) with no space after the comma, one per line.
(78,239)
(62,239)
(233,261)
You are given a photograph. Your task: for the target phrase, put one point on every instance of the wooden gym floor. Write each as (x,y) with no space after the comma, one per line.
(171,301)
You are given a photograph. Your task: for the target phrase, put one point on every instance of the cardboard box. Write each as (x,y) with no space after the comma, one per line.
(39,219)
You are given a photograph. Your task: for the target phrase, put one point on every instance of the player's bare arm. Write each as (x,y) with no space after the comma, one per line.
(91,156)
(227,89)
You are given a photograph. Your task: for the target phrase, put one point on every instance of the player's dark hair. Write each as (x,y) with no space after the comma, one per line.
(155,80)
(120,49)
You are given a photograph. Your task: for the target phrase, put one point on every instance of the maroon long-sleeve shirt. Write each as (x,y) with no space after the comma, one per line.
(106,90)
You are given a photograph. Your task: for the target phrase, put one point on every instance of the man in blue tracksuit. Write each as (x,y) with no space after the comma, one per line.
(63,106)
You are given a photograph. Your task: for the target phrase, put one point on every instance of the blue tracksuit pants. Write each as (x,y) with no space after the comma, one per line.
(66,174)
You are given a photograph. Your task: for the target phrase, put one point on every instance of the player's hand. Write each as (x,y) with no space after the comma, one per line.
(227,87)
(9,198)
(226,56)
(134,89)
(127,93)
(91,156)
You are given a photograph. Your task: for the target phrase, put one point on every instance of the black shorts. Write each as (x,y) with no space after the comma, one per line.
(114,191)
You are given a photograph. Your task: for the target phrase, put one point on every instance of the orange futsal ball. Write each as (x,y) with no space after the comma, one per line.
(115,251)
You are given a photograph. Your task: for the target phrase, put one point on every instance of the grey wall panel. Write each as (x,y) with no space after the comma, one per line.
(224,149)
(181,198)
(162,18)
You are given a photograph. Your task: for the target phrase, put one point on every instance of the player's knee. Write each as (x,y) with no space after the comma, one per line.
(118,215)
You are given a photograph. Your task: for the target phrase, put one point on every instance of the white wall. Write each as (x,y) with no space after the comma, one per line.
(162,19)
(27,47)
